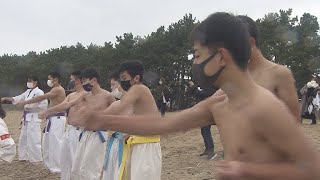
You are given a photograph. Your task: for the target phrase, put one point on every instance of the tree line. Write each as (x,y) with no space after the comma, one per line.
(285,39)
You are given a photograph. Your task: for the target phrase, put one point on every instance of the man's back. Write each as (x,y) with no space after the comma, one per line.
(279,80)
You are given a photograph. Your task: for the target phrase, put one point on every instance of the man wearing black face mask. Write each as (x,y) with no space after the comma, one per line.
(86,164)
(145,157)
(255,127)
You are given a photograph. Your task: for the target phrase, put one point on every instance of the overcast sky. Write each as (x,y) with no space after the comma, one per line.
(37,25)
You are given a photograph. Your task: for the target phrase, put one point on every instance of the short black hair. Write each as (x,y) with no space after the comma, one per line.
(76,74)
(115,76)
(55,75)
(224,30)
(35,78)
(133,68)
(252,28)
(90,73)
(2,112)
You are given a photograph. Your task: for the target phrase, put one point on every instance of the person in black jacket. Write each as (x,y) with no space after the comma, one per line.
(162,96)
(201,94)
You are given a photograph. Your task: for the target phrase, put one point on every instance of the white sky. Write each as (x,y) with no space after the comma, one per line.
(37,25)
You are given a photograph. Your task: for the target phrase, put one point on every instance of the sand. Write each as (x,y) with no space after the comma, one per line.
(180,153)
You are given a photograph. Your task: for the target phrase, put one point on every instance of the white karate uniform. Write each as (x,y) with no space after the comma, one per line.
(69,146)
(112,164)
(90,156)
(7,145)
(52,141)
(29,147)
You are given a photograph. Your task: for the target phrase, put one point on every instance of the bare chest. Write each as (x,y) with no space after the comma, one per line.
(240,140)
(97,102)
(145,107)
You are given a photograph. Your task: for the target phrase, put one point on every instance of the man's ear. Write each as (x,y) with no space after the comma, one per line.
(137,78)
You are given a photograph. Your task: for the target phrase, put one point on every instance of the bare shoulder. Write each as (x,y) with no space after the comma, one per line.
(59,89)
(55,90)
(107,94)
(219,92)
(282,72)
(140,87)
(216,99)
(115,104)
(268,107)
(71,96)
(108,97)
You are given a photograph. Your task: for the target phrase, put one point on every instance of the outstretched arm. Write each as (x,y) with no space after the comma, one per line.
(7,99)
(58,108)
(197,116)
(50,94)
(70,103)
(15,99)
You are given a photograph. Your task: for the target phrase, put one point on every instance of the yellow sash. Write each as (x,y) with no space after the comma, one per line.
(127,149)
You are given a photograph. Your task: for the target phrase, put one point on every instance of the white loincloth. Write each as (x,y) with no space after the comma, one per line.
(68,150)
(145,162)
(89,159)
(29,148)
(52,142)
(7,145)
(141,158)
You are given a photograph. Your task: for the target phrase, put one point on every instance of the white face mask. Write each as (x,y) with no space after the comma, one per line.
(116,93)
(49,83)
(29,85)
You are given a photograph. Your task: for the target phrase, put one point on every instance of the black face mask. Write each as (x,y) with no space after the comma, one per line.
(126,85)
(199,77)
(87,87)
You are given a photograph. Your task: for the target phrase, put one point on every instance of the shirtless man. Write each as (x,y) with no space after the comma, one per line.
(55,125)
(91,150)
(71,137)
(145,160)
(274,77)
(116,141)
(256,128)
